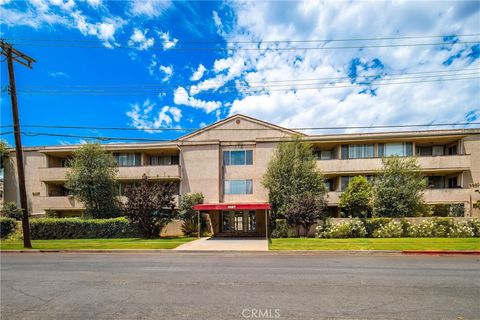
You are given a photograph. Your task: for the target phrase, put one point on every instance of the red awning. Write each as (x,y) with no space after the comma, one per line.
(232,206)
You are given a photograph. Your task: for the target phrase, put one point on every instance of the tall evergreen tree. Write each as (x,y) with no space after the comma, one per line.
(356,200)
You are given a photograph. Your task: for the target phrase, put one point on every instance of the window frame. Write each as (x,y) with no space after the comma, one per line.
(227,186)
(247,157)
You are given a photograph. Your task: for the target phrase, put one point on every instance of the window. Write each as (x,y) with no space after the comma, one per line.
(424,151)
(453,182)
(435,182)
(251,221)
(401,149)
(127,159)
(329,184)
(164,160)
(357,151)
(452,150)
(65,163)
(323,154)
(437,150)
(345,180)
(238,186)
(237,157)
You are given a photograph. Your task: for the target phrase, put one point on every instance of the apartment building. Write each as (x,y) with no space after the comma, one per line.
(226,161)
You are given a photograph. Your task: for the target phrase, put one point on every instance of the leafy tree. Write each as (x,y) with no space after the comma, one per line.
(291,173)
(356,200)
(305,210)
(150,207)
(398,191)
(91,180)
(189,215)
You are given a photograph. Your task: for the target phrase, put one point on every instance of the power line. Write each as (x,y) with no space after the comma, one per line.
(224,90)
(140,88)
(429,74)
(81,127)
(247,49)
(261,41)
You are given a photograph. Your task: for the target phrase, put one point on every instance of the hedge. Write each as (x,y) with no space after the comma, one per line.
(7,226)
(390,228)
(77,228)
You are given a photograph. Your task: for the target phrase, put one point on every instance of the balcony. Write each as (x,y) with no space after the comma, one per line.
(56,203)
(447,195)
(152,172)
(67,203)
(431,196)
(371,165)
(53,174)
(124,173)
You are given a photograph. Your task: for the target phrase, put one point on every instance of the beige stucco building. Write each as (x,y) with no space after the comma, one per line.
(225,161)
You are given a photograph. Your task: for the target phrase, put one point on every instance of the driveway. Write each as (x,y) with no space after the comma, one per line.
(225,244)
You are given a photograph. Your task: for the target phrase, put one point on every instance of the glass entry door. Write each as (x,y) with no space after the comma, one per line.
(239,221)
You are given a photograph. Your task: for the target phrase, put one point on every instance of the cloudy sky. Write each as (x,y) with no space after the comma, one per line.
(148,65)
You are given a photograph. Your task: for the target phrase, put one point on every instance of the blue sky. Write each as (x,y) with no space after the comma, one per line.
(138,55)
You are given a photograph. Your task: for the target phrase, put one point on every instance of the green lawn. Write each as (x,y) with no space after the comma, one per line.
(127,243)
(376,244)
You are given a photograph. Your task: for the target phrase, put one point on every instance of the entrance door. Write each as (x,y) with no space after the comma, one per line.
(239,221)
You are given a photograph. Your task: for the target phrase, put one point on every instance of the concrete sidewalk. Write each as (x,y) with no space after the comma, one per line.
(225,244)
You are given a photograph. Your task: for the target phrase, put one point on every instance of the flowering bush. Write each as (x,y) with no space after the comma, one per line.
(475,224)
(353,228)
(392,229)
(461,229)
(437,227)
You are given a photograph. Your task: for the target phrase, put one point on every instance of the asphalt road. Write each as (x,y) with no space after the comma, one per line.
(238,286)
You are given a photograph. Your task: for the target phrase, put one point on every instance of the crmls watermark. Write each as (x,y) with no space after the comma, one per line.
(255,313)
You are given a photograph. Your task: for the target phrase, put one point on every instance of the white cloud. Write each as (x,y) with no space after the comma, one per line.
(39,13)
(139,39)
(59,74)
(181,97)
(198,74)
(168,71)
(167,43)
(144,118)
(393,104)
(95,3)
(218,23)
(149,8)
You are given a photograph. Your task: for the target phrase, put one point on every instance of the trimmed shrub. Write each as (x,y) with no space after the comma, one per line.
(461,229)
(375,223)
(10,210)
(7,227)
(282,230)
(77,228)
(393,229)
(353,228)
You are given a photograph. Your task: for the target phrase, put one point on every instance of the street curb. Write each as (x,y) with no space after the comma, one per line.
(271,252)
(442,252)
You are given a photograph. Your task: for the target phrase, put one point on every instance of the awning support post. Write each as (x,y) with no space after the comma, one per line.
(198,226)
(266,224)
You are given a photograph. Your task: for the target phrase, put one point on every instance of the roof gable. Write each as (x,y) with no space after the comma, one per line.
(239,128)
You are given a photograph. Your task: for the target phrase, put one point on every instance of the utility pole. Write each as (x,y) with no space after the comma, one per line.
(15,55)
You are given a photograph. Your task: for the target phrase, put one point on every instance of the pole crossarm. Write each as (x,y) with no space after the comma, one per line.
(17,56)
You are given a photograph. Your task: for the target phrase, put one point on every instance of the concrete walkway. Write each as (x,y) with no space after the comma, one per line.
(225,244)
